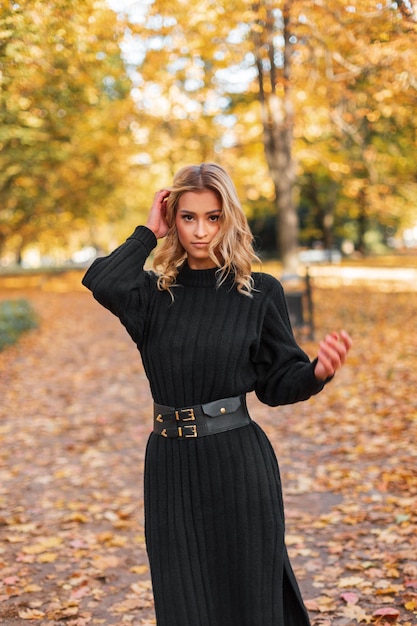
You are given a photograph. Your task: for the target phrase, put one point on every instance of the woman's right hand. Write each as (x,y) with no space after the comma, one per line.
(156,221)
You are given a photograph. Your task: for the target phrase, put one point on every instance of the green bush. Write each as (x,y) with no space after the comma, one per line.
(16,316)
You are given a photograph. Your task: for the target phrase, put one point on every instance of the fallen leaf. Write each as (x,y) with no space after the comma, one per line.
(351,581)
(411,605)
(355,612)
(31,614)
(389,614)
(350,598)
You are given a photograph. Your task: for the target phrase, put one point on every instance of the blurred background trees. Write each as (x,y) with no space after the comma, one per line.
(309,105)
(65,110)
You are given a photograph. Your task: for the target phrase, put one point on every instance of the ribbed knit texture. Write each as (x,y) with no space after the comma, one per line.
(215,532)
(213,506)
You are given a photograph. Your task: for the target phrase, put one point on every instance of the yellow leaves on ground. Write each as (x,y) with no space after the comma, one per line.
(74,421)
(43,549)
(31,614)
(350,468)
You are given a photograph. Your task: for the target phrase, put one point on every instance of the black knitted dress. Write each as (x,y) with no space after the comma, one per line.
(214,516)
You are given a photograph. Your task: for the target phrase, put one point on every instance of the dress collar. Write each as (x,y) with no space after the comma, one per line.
(196,278)
(201,278)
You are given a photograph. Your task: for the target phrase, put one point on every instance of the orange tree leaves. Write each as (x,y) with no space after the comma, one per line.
(65,111)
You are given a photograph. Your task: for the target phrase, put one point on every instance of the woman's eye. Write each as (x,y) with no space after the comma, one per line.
(190,218)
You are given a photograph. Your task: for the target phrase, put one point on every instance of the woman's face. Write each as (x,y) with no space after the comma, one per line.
(197,223)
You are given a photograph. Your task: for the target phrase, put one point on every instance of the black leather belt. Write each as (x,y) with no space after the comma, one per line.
(202,419)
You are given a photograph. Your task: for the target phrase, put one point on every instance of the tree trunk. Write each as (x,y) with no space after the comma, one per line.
(408,10)
(278,144)
(278,121)
(327,223)
(362,222)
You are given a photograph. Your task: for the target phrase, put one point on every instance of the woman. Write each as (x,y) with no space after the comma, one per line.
(209,331)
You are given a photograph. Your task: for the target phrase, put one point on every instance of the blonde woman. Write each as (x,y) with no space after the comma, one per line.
(210,331)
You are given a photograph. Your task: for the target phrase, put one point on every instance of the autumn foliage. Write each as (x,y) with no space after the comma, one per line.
(74,420)
(310,106)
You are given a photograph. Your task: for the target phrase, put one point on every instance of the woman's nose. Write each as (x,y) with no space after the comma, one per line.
(200,229)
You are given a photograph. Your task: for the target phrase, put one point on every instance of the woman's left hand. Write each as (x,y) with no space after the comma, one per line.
(332,354)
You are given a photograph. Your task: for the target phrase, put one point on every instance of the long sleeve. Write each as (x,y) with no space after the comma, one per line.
(119,282)
(210,342)
(285,373)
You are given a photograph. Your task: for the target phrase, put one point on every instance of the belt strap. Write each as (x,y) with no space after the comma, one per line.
(202,419)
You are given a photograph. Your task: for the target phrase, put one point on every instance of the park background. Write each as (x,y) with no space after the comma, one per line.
(311,108)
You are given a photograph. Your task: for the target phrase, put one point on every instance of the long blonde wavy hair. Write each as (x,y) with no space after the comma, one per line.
(231,249)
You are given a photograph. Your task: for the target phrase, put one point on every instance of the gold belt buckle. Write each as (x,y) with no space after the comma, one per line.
(183,431)
(189,412)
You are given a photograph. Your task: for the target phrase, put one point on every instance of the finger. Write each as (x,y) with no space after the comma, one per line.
(347,339)
(343,347)
(326,364)
(160,194)
(332,348)
(159,202)
(341,343)
(332,353)
(163,210)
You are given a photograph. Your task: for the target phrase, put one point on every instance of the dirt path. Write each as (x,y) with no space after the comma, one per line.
(74,419)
